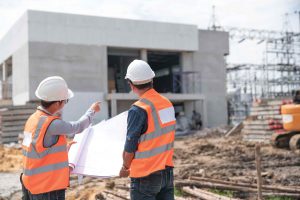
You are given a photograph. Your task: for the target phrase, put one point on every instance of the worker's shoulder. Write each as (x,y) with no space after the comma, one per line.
(165,98)
(135,110)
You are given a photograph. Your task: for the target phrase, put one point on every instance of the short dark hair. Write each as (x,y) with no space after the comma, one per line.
(47,104)
(142,86)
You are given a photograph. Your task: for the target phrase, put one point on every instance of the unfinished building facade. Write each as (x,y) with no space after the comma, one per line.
(92,54)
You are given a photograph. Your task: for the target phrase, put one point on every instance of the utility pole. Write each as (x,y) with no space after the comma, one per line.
(298,12)
(213,21)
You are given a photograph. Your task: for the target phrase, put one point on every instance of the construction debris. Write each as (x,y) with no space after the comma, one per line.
(264,120)
(205,162)
(205,195)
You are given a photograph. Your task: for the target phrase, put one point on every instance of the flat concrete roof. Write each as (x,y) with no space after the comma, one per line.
(40,26)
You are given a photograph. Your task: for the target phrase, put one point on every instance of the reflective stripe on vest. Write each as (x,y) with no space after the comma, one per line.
(47,168)
(38,129)
(35,155)
(154,152)
(158,131)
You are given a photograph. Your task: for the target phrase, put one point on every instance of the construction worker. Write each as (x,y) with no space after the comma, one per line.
(148,151)
(45,158)
(196,120)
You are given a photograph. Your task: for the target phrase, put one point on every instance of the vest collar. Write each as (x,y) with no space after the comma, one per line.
(40,108)
(148,93)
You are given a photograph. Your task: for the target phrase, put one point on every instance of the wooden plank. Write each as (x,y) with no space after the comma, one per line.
(203,194)
(258,132)
(265,108)
(257,127)
(13,123)
(265,141)
(277,188)
(236,128)
(8,140)
(264,137)
(28,106)
(12,128)
(14,118)
(258,135)
(257,113)
(269,117)
(17,112)
(256,122)
(10,134)
(258,170)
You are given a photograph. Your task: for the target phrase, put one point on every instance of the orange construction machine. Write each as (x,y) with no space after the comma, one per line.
(291,125)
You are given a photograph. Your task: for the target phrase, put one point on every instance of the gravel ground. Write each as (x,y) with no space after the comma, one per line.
(9,185)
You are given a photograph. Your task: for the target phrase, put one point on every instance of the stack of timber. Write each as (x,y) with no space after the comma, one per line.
(195,186)
(265,119)
(12,121)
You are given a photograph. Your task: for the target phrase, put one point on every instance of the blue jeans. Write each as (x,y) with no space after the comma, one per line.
(156,186)
(53,195)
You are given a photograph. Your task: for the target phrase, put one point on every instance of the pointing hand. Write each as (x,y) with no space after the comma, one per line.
(96,106)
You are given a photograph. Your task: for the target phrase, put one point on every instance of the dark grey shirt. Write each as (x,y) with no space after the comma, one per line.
(61,127)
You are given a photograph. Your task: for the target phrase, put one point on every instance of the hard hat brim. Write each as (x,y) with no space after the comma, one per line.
(70,94)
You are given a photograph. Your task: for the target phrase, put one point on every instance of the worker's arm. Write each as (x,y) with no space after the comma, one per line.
(136,125)
(61,127)
(127,158)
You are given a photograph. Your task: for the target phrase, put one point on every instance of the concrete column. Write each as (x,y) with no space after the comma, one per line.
(4,71)
(113,104)
(204,116)
(144,56)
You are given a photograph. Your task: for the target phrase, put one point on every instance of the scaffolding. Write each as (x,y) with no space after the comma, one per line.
(277,77)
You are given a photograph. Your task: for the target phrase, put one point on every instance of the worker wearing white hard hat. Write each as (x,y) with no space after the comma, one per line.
(45,150)
(148,151)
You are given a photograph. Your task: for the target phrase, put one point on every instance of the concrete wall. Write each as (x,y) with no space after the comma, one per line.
(92,30)
(209,61)
(14,39)
(43,44)
(20,75)
(84,67)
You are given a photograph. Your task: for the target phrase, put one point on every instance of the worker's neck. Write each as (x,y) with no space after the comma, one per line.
(143,91)
(52,110)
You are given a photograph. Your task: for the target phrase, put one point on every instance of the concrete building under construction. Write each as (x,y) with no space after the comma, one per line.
(92,54)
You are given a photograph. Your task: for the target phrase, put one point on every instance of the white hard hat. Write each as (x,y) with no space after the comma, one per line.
(139,72)
(53,88)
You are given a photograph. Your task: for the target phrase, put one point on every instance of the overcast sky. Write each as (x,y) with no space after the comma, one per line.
(258,14)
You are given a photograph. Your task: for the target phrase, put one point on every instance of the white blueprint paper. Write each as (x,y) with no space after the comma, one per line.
(98,151)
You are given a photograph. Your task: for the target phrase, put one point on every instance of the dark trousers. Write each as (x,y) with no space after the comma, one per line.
(53,195)
(156,186)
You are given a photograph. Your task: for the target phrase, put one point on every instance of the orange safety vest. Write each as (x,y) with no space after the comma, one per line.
(44,169)
(155,148)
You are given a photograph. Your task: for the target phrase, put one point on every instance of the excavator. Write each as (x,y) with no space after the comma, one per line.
(289,137)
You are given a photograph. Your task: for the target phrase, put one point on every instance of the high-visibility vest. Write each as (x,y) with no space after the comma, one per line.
(44,169)
(155,148)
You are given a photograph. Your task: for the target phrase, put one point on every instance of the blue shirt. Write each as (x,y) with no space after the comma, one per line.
(136,126)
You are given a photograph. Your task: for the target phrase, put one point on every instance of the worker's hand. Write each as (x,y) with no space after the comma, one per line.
(96,106)
(70,144)
(124,172)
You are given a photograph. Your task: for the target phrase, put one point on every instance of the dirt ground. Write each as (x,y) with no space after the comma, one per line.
(212,156)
